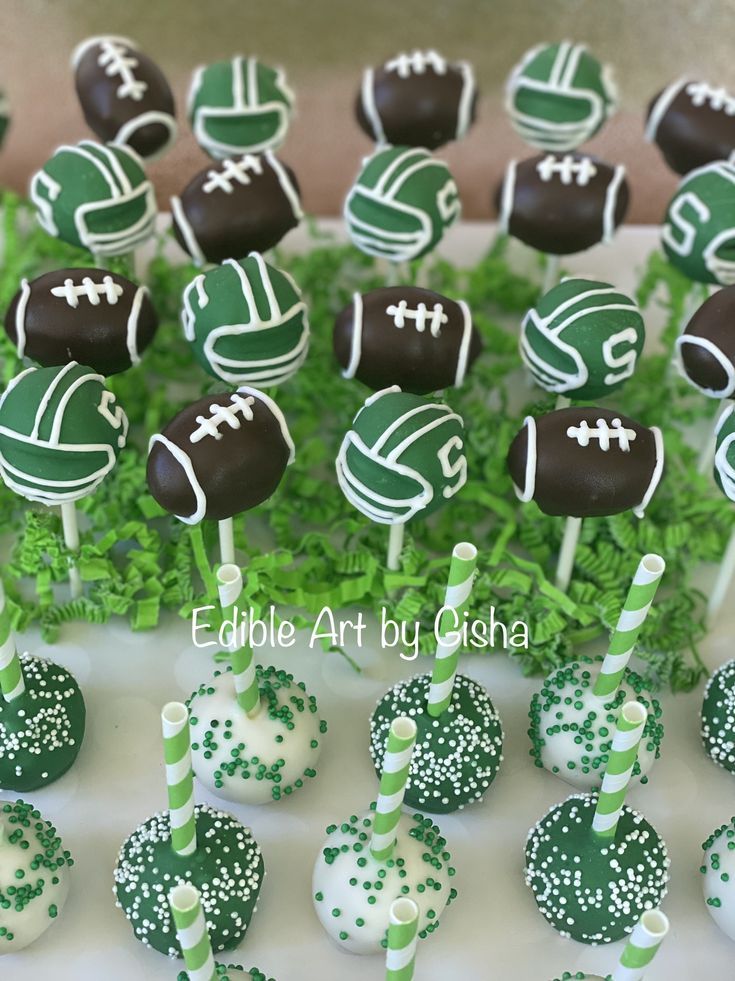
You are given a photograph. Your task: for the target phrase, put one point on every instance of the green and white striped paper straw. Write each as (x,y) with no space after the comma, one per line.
(179,777)
(403,926)
(229,581)
(11,675)
(191,929)
(633,615)
(396,762)
(620,765)
(456,598)
(642,947)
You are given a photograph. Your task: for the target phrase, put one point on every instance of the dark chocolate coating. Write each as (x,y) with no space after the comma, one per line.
(714,321)
(237,472)
(560,218)
(94,334)
(415,360)
(419,110)
(584,481)
(252,217)
(689,135)
(105,112)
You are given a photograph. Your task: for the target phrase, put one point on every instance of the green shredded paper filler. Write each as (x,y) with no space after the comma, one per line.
(307,547)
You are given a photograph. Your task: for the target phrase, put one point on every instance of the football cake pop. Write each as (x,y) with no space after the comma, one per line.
(692,123)
(95,196)
(406,336)
(698,233)
(239,106)
(718,869)
(593,864)
(402,202)
(559,95)
(92,316)
(417,99)
(241,205)
(246,322)
(583,339)
(718,716)
(706,348)
(34,875)
(187,845)
(562,203)
(648,935)
(374,857)
(124,95)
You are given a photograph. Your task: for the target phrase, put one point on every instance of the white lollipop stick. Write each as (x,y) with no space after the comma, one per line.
(226,541)
(395,544)
(566,556)
(562,402)
(551,274)
(723,581)
(70,526)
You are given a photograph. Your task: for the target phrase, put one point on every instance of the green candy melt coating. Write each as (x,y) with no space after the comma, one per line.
(403,456)
(95,196)
(60,433)
(718,869)
(401,203)
(718,716)
(589,889)
(698,233)
(34,880)
(583,339)
(571,730)
(559,95)
(41,731)
(266,758)
(457,755)
(239,106)
(227,869)
(246,322)
(231,972)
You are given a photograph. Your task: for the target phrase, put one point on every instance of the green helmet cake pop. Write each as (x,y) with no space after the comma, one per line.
(61,432)
(403,456)
(559,95)
(401,203)
(246,322)
(698,234)
(239,106)
(583,339)
(95,196)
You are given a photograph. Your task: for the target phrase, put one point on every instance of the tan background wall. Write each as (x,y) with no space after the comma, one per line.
(324,44)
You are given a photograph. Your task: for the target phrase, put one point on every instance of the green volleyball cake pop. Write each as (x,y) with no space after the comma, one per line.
(239,106)
(583,339)
(698,233)
(95,196)
(718,716)
(34,875)
(246,322)
(401,203)
(559,95)
(718,869)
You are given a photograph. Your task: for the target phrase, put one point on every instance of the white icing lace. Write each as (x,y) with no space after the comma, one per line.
(719,99)
(604,434)
(219,415)
(116,60)
(421,316)
(94,292)
(568,169)
(417,62)
(239,171)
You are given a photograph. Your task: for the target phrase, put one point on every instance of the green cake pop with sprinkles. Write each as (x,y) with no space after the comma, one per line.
(379,855)
(718,716)
(718,870)
(34,875)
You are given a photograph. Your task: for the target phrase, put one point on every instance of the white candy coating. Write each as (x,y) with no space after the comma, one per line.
(718,868)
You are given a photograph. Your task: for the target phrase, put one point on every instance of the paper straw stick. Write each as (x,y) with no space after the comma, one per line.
(229,582)
(642,947)
(395,544)
(191,930)
(723,581)
(179,777)
(11,674)
(456,600)
(623,754)
(403,925)
(551,273)
(707,456)
(632,617)
(70,526)
(396,762)
(226,540)
(568,549)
